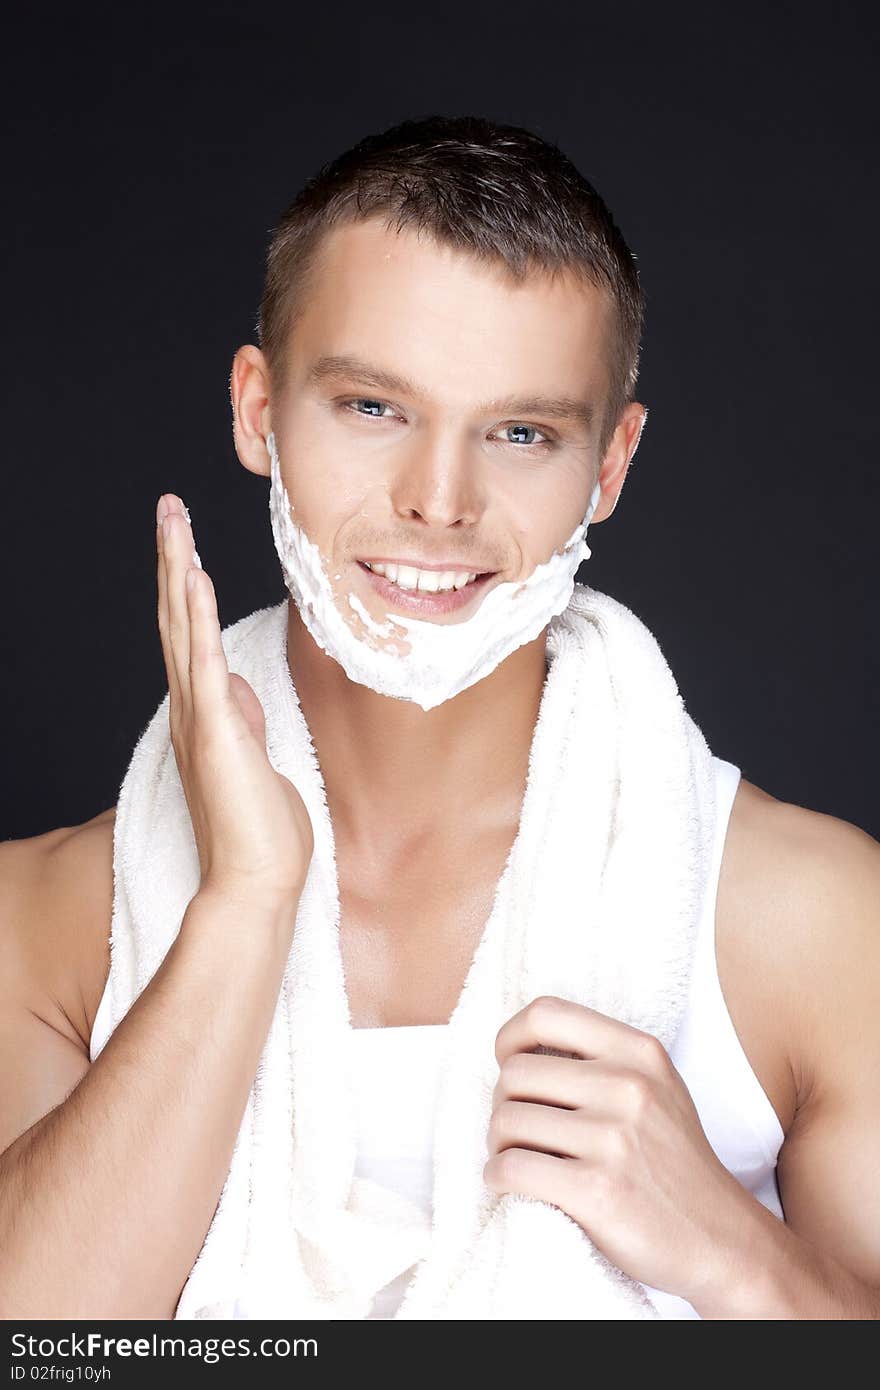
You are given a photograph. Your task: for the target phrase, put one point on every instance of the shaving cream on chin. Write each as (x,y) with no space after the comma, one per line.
(409,658)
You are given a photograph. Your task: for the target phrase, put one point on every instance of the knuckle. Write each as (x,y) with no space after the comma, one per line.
(653,1054)
(200,652)
(208,650)
(637,1092)
(508,1166)
(513,1072)
(543,1010)
(503,1118)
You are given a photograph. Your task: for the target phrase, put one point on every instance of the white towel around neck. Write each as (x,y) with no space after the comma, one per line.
(598,903)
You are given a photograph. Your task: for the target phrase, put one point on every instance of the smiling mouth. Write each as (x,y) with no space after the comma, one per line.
(426,600)
(455,578)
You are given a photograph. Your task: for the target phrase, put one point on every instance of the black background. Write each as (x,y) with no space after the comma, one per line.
(146,160)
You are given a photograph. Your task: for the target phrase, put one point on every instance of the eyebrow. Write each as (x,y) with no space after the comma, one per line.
(356,369)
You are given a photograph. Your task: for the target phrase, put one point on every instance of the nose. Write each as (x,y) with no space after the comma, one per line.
(439,481)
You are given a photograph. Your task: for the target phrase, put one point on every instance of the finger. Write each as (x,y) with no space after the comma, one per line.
(525,1125)
(556,1080)
(208,667)
(549,1021)
(162,613)
(539,1175)
(574,1082)
(178,549)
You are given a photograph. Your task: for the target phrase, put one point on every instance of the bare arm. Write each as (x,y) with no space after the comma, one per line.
(819,886)
(106,1200)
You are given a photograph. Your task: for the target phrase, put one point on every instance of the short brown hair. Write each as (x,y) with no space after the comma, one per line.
(498,192)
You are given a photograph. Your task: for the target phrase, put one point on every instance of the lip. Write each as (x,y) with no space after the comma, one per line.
(425,604)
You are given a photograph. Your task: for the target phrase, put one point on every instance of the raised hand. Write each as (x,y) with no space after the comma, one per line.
(251,826)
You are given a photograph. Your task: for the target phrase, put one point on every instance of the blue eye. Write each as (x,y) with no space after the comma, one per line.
(379,406)
(520,429)
(375,410)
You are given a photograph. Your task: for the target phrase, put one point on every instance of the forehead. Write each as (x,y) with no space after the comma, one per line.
(439,315)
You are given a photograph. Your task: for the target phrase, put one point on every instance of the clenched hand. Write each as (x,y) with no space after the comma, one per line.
(612,1137)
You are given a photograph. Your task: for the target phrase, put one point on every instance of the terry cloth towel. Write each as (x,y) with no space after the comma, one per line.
(598,903)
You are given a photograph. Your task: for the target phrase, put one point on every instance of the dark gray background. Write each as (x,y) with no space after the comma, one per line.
(146,161)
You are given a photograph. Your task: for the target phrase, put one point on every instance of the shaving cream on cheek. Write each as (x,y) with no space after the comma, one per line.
(409,658)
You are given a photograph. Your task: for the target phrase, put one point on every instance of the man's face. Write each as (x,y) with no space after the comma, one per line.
(411,423)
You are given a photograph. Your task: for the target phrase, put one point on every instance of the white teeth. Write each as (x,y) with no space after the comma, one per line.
(430,582)
(406,577)
(426,581)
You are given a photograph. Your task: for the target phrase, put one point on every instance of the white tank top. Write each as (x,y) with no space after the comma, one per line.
(396,1142)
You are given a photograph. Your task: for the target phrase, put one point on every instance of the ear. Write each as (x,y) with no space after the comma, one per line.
(251,416)
(618,457)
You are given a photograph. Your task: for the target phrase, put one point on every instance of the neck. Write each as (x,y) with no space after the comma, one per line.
(393,770)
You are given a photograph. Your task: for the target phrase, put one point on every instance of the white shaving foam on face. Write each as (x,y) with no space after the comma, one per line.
(410,658)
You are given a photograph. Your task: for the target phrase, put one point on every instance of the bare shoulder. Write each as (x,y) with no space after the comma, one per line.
(56,903)
(798,940)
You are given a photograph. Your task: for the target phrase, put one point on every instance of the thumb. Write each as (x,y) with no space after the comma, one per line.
(249,703)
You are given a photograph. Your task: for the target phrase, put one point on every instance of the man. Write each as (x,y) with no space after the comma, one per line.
(444,389)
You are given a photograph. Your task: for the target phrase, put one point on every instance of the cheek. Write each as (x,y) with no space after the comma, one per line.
(536,541)
(334,507)
(540,520)
(323,488)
